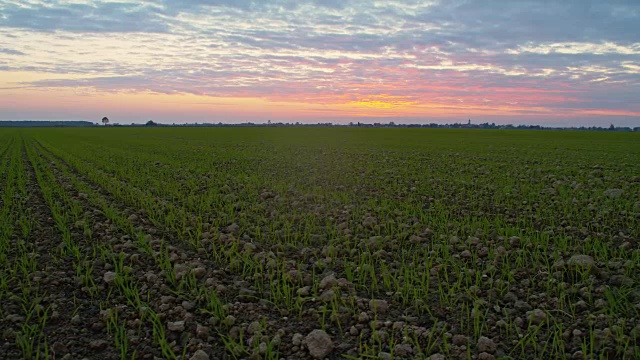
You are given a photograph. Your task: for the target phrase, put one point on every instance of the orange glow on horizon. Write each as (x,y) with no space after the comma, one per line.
(439,101)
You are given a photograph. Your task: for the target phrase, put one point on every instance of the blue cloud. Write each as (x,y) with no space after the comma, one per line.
(11,52)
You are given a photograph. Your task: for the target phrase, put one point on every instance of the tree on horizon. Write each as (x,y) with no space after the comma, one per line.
(105,120)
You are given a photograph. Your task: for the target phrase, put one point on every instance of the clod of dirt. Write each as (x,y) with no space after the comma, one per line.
(318,343)
(109,277)
(486,345)
(230,320)
(378,306)
(613,193)
(485,356)
(522,306)
(233,228)
(304,291)
(199,355)
(459,340)
(363,317)
(199,272)
(327,296)
(403,350)
(537,316)
(581,261)
(436,357)
(176,326)
(328,282)
(180,270)
(97,345)
(514,241)
(369,222)
(202,332)
(296,339)
(626,245)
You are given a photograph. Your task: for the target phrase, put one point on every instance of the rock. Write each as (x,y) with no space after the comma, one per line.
(436,357)
(296,339)
(537,316)
(369,222)
(230,320)
(15,318)
(133,217)
(363,317)
(466,254)
(175,326)
(522,306)
(249,248)
(199,272)
(180,270)
(613,193)
(98,345)
(109,277)
(403,350)
(459,340)
(485,356)
(581,261)
(233,228)
(245,293)
(486,345)
(60,348)
(626,246)
(319,344)
(199,355)
(151,277)
(621,280)
(304,291)
(327,296)
(254,328)
(353,331)
(558,265)
(514,241)
(202,332)
(378,306)
(328,282)
(384,356)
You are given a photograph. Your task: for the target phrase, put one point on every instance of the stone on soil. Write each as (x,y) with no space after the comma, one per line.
(319,344)
(486,345)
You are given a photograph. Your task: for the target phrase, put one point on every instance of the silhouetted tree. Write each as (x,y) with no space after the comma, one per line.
(105,120)
(151,123)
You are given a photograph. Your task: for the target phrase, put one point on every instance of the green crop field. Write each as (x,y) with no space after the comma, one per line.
(339,243)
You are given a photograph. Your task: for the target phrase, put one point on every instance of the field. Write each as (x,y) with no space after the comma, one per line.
(297,243)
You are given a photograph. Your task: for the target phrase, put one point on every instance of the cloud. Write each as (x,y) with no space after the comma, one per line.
(84,17)
(526,56)
(11,52)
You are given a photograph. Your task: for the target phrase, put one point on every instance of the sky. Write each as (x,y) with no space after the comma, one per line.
(553,63)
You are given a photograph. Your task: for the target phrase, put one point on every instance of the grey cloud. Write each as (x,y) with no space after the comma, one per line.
(511,22)
(98,17)
(11,52)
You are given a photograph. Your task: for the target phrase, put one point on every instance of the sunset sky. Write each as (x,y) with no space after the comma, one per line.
(565,62)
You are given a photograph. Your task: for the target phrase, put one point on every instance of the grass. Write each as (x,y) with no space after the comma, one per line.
(462,232)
